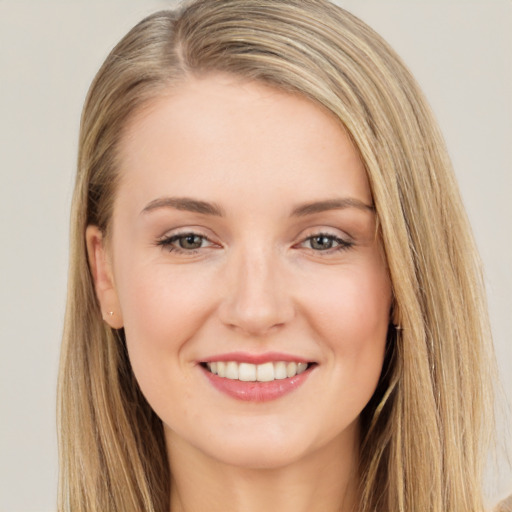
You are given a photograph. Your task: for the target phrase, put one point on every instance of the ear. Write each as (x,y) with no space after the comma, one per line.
(101,268)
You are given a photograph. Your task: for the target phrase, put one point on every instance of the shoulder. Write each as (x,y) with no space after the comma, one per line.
(504,506)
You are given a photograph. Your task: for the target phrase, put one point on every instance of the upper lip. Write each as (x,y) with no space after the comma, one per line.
(243,357)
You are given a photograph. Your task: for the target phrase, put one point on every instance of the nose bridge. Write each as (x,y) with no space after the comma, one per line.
(256,298)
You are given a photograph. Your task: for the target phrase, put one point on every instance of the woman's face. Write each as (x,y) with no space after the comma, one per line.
(243,235)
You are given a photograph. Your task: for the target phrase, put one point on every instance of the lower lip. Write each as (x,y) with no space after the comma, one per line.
(257,391)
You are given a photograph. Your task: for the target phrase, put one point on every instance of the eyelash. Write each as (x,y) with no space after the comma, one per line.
(169,241)
(343,245)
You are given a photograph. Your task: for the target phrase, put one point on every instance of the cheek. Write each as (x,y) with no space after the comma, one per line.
(353,307)
(161,310)
(157,298)
(164,309)
(352,319)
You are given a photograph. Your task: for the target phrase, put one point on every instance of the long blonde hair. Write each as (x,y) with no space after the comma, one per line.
(425,431)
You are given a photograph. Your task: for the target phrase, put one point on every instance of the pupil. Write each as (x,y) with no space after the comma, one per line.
(190,242)
(321,242)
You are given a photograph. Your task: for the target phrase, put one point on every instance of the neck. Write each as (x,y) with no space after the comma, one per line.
(325,481)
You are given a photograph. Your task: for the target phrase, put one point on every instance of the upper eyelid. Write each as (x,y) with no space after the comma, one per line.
(343,241)
(323,233)
(176,236)
(184,232)
(331,232)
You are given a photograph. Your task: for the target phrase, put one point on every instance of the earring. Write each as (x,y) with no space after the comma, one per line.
(397,327)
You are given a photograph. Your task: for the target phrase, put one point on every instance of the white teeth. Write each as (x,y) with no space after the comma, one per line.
(291,369)
(265,372)
(280,370)
(232,370)
(301,367)
(221,369)
(248,372)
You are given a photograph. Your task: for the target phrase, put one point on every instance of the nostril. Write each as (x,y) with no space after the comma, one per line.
(256,319)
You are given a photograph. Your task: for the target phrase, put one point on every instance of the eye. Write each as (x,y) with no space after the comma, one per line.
(190,241)
(184,242)
(325,242)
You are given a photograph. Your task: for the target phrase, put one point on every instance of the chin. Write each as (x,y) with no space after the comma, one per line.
(263,445)
(265,455)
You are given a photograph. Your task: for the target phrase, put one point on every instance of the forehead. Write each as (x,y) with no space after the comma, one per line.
(218,134)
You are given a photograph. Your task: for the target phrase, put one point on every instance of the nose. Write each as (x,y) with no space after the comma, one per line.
(256,298)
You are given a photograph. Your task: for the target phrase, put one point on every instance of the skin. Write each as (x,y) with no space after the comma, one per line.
(257,283)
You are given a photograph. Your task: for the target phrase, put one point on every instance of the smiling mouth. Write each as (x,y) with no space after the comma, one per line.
(248,372)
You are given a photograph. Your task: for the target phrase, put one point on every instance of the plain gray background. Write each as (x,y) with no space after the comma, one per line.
(49,52)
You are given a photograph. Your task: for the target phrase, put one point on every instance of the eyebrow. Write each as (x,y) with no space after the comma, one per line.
(302,210)
(186,204)
(330,204)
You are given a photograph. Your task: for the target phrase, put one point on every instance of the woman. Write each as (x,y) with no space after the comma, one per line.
(274,300)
